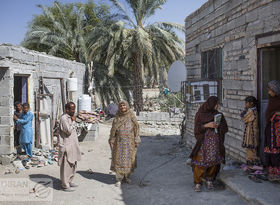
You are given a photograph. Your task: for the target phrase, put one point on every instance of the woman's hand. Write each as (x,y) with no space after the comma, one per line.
(211,125)
(136,144)
(111,145)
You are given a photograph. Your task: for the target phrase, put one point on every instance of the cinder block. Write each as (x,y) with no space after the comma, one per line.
(4,130)
(5,159)
(5,120)
(5,88)
(5,140)
(5,149)
(4,101)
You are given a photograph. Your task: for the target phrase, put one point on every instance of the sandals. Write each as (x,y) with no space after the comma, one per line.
(197,188)
(258,172)
(254,179)
(273,178)
(209,185)
(262,177)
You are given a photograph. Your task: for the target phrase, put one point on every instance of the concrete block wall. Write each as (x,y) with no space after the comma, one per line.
(6,121)
(160,118)
(232,26)
(16,60)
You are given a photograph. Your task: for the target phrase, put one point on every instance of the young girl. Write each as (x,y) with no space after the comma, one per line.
(251,133)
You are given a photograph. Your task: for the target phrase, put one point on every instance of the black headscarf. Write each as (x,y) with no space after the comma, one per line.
(204,115)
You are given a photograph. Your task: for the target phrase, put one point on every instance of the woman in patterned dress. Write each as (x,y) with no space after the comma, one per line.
(124,140)
(272,131)
(209,151)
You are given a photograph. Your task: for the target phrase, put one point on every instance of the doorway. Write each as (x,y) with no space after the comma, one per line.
(269,69)
(21,89)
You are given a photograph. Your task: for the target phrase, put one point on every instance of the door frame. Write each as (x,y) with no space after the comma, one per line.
(27,84)
(260,88)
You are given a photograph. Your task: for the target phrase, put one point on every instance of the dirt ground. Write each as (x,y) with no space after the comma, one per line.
(162,177)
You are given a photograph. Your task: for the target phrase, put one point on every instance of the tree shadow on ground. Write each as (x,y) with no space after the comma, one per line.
(101,177)
(56,181)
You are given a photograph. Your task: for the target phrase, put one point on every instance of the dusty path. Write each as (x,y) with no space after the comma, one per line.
(162,177)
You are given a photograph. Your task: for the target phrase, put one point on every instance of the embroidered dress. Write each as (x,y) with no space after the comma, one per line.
(251,133)
(272,146)
(209,154)
(124,151)
(124,154)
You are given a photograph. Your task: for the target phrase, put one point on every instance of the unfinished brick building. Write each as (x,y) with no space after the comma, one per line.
(237,44)
(40,80)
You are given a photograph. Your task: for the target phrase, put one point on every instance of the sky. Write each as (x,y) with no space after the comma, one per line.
(15,15)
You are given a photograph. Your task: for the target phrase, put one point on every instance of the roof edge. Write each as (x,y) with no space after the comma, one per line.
(196,12)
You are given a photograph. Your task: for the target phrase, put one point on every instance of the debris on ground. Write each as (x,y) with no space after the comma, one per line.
(232,165)
(9,171)
(17,171)
(40,158)
(90,171)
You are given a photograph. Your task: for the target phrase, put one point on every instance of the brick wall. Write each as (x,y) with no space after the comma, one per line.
(233,26)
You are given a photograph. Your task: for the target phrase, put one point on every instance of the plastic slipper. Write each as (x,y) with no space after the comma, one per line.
(262,177)
(244,167)
(258,172)
(254,179)
(257,167)
(197,188)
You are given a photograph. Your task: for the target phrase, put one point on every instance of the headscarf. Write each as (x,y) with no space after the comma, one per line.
(122,117)
(274,102)
(207,110)
(274,85)
(204,115)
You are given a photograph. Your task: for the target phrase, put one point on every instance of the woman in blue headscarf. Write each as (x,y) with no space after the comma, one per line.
(26,134)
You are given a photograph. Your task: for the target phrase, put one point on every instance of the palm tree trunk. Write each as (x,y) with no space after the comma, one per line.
(138,84)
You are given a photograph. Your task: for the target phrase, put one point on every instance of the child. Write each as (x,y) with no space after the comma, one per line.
(251,133)
(26,133)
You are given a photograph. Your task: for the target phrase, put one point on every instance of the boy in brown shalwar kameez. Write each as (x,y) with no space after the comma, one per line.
(69,151)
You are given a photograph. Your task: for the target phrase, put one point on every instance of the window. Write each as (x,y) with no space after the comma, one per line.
(211,64)
(212,68)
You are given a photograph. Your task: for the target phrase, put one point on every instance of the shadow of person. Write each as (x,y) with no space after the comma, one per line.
(56,181)
(101,177)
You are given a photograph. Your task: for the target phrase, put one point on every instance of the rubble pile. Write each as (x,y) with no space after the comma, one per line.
(84,121)
(40,158)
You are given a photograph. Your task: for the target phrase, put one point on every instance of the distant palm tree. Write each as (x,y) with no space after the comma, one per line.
(63,33)
(140,47)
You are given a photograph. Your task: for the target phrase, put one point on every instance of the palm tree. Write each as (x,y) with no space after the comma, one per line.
(62,31)
(140,47)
